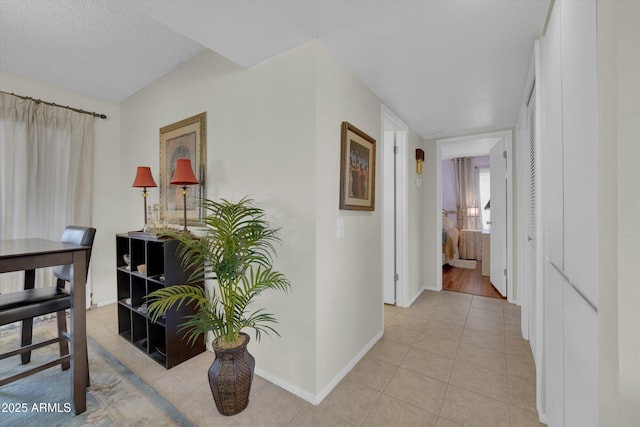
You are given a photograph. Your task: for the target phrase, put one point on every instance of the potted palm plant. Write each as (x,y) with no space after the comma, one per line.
(237,253)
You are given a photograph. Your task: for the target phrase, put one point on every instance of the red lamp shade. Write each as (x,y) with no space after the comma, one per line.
(184,173)
(144,178)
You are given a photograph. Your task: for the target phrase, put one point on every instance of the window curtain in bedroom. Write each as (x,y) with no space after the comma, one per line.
(466,193)
(46,156)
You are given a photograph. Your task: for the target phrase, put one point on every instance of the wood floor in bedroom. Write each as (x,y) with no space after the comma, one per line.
(468,281)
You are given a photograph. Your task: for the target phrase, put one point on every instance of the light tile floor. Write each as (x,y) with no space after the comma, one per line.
(451,359)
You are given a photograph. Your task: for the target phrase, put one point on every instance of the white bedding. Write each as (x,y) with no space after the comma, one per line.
(450,246)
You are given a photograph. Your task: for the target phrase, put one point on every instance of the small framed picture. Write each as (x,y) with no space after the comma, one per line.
(185,139)
(357,169)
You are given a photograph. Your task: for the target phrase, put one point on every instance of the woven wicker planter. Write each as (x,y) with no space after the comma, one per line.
(230,377)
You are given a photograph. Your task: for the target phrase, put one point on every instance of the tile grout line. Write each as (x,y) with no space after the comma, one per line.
(398,367)
(507,368)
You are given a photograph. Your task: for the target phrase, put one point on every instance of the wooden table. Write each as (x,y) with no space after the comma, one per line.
(29,254)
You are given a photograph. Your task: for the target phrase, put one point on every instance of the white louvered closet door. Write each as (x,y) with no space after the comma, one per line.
(531,111)
(530,266)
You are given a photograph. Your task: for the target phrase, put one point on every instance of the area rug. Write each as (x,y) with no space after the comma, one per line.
(116,397)
(469,264)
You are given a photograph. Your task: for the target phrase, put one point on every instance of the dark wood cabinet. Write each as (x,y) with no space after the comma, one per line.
(161,340)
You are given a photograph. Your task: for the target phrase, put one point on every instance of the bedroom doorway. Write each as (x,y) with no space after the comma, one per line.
(474,146)
(469,281)
(395,230)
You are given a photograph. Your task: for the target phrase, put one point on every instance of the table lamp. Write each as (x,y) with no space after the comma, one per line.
(143,180)
(184,176)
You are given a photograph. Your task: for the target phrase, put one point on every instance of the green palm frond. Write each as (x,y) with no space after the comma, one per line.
(162,299)
(259,321)
(258,280)
(238,251)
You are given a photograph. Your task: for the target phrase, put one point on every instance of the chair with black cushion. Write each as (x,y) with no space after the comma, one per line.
(29,303)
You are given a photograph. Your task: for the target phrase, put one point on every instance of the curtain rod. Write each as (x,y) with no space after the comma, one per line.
(38,101)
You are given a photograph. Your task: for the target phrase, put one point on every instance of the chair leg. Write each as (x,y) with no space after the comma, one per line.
(64,344)
(27,324)
(87,359)
(27,334)
(62,341)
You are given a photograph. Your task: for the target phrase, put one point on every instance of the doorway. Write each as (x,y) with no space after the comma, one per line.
(477,146)
(469,281)
(395,230)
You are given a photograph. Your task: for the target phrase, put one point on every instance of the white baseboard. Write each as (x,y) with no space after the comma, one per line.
(336,380)
(431,288)
(303,394)
(415,297)
(103,303)
(542,416)
(317,398)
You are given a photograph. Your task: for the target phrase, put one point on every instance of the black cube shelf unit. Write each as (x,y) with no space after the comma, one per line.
(161,340)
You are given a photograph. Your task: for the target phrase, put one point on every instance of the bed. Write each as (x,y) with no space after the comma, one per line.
(449,241)
(450,246)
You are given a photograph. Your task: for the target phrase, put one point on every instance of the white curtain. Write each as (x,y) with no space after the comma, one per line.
(46,157)
(467,193)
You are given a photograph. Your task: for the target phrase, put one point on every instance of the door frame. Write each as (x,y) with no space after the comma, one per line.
(401,206)
(507,134)
(498,237)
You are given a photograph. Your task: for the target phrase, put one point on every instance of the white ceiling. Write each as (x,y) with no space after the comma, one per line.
(474,146)
(448,67)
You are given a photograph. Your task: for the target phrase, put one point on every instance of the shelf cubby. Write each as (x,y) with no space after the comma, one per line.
(162,340)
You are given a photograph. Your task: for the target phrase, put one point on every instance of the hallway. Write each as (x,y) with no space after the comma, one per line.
(451,359)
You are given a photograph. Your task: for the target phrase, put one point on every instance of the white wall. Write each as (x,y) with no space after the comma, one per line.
(607,212)
(432,188)
(260,142)
(273,132)
(106,177)
(619,317)
(628,109)
(348,270)
(419,217)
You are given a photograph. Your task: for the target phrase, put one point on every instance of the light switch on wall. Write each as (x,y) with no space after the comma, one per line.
(340,227)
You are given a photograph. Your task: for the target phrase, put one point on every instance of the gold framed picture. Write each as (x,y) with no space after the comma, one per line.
(357,169)
(185,139)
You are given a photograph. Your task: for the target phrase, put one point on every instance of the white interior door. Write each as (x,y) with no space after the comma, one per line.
(389,218)
(498,167)
(395,210)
